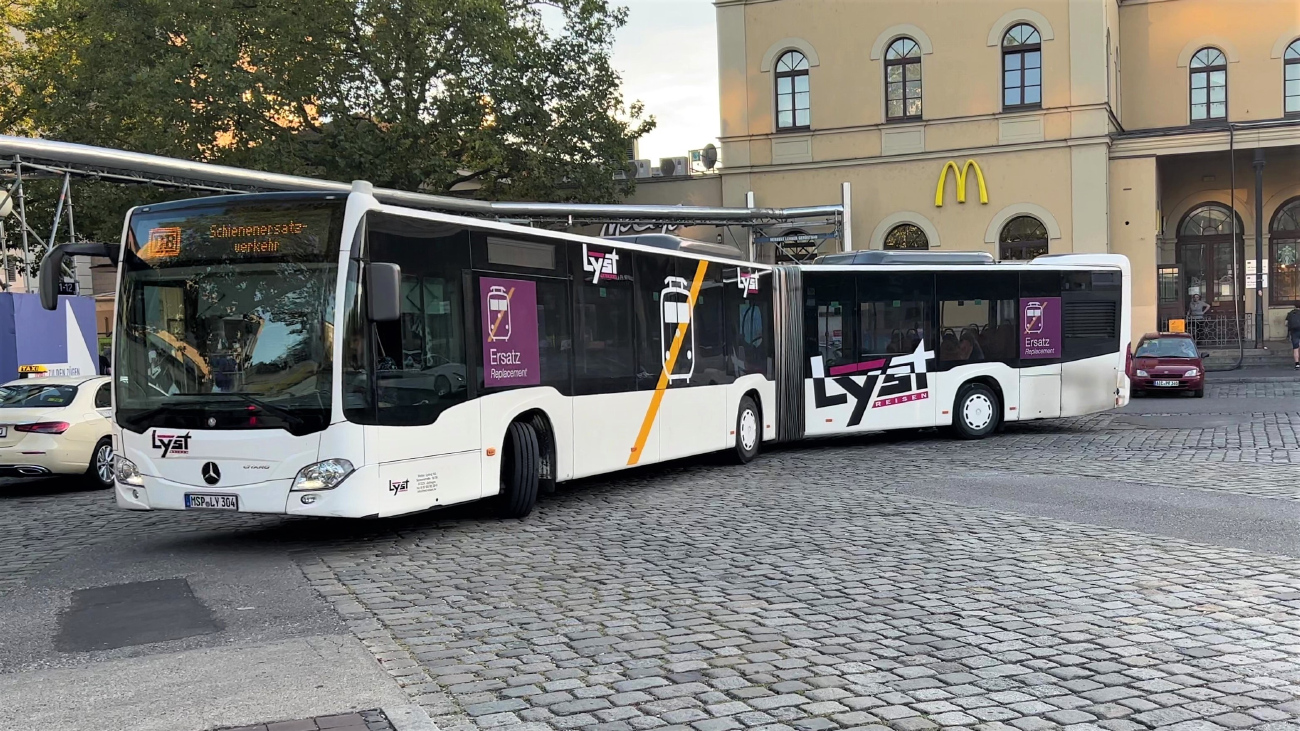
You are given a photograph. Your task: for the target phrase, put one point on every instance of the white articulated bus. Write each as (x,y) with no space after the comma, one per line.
(328,355)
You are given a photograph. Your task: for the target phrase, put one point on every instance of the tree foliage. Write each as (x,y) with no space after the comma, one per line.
(502,99)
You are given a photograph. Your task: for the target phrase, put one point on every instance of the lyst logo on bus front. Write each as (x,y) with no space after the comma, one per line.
(601,264)
(171,443)
(398,486)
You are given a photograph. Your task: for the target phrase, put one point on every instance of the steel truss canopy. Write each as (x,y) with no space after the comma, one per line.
(30,158)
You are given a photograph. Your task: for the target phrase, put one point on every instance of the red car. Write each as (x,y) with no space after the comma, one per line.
(1167,362)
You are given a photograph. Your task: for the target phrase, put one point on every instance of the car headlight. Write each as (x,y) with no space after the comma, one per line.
(324,475)
(126,473)
(1192,373)
(1143,373)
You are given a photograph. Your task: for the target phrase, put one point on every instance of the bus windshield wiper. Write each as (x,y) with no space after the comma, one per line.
(292,419)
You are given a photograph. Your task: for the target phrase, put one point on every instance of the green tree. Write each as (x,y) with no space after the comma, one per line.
(506,99)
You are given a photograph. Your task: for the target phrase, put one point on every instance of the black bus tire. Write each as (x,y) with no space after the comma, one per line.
(749,431)
(976,412)
(546,450)
(519,468)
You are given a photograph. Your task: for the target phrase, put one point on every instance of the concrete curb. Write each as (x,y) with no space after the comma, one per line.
(410,718)
(1213,377)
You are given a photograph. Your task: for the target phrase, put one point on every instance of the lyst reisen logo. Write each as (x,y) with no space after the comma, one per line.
(395,486)
(748,283)
(171,443)
(602,265)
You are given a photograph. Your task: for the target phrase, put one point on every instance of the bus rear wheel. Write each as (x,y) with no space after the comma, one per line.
(976,412)
(749,431)
(520,465)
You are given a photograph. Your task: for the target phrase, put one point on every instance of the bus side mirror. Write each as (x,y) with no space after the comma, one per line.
(52,267)
(384,292)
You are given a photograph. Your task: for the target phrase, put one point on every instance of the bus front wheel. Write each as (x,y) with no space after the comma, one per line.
(749,431)
(976,412)
(520,466)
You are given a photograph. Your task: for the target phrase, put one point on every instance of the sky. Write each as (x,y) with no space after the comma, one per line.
(668,56)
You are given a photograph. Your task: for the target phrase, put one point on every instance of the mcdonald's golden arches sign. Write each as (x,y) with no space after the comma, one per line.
(960,175)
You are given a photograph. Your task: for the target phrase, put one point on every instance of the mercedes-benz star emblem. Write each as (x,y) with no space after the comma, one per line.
(211,473)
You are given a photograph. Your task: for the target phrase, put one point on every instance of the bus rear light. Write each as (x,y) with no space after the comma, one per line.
(491,451)
(44,427)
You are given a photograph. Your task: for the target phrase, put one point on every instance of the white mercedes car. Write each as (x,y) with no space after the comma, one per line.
(57,426)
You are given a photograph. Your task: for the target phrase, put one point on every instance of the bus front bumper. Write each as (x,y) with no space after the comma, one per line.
(271,497)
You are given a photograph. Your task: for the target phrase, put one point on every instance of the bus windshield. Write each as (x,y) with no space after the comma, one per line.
(226,316)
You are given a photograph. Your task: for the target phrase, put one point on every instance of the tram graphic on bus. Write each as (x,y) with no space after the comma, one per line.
(1033,317)
(498,318)
(674,310)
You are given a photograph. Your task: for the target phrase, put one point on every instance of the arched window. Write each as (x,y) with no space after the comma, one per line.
(1284,255)
(906,236)
(1022,68)
(792,91)
(1291,90)
(1022,239)
(1209,85)
(1205,253)
(903,80)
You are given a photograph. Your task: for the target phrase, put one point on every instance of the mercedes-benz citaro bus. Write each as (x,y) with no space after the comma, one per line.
(329,355)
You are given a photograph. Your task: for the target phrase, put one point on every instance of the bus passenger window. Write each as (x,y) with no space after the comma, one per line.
(419,361)
(977,318)
(603,360)
(895,314)
(747,296)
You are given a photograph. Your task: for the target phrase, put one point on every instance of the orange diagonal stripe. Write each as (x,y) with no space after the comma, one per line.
(648,422)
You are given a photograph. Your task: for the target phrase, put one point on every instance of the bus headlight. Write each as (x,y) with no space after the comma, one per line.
(126,472)
(324,475)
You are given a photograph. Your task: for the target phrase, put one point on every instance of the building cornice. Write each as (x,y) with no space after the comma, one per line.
(1182,141)
(991,117)
(961,152)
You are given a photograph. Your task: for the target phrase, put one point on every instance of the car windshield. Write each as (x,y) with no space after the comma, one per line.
(36,395)
(1166,348)
(226,316)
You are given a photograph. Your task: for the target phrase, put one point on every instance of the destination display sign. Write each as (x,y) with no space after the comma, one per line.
(231,233)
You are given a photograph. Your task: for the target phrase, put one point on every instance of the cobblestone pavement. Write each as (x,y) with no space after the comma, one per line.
(804,591)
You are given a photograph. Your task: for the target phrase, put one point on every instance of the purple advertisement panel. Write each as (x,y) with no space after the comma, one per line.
(1040,328)
(509,308)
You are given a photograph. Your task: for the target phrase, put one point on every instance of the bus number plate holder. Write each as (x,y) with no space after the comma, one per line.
(195,501)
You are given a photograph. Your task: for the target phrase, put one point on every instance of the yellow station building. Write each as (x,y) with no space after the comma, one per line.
(1075,126)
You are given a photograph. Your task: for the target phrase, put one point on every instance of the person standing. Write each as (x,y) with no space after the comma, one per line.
(1293,330)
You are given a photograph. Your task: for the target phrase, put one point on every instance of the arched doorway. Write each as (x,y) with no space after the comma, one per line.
(1284,256)
(1022,238)
(1205,253)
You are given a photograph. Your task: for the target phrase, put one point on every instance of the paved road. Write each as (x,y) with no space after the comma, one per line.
(1123,571)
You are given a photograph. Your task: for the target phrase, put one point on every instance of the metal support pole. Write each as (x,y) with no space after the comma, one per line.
(58,215)
(1259,247)
(846,224)
(749,230)
(33,285)
(4,258)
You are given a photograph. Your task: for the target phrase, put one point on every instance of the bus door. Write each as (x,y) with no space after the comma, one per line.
(1039,344)
(694,416)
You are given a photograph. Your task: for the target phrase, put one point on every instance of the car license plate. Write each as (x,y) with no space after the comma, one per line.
(211,502)
(1166,383)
